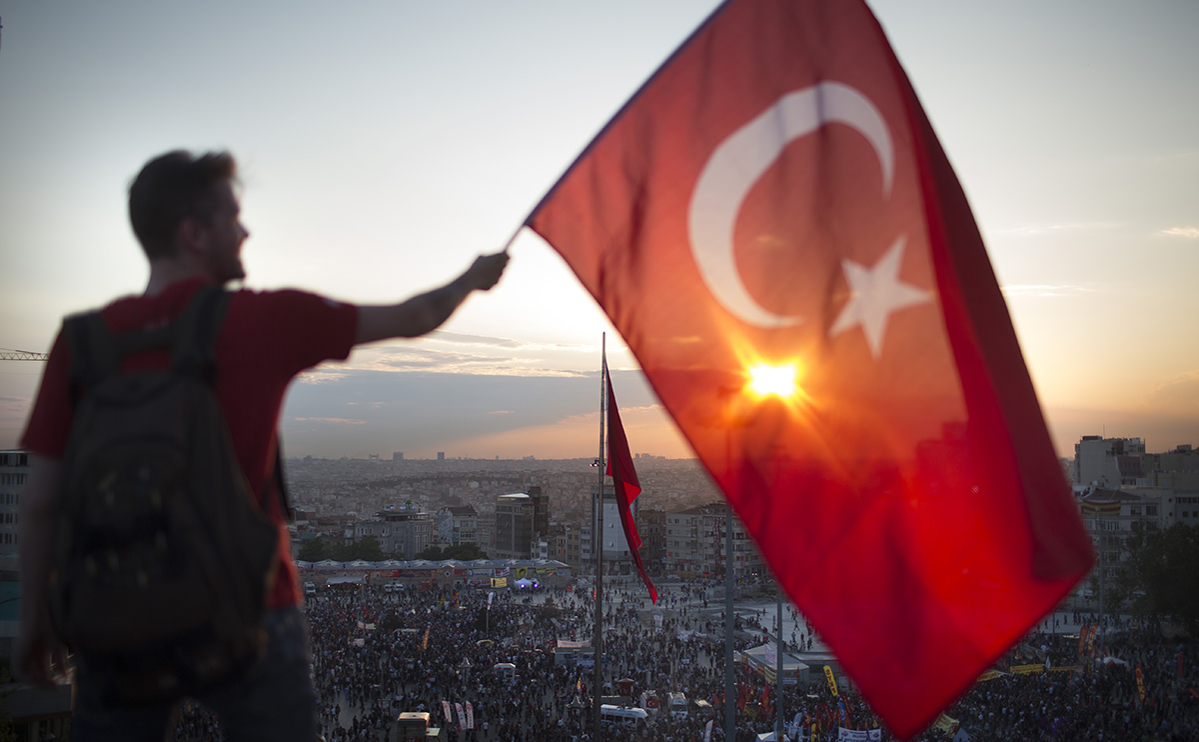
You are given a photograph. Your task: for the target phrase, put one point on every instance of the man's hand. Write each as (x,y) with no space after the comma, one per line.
(40,657)
(40,654)
(485,272)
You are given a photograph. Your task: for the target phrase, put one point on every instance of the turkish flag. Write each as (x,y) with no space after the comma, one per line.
(628,487)
(774,196)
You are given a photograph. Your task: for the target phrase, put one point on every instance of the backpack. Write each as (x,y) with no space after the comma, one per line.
(161,559)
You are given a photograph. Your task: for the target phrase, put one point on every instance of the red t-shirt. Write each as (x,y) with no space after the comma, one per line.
(267,338)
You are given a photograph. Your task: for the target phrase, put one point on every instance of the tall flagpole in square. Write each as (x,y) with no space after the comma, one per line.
(597,542)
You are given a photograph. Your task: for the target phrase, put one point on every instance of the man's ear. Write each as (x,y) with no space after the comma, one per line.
(191,237)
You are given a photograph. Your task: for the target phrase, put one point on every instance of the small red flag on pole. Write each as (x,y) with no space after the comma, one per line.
(624,478)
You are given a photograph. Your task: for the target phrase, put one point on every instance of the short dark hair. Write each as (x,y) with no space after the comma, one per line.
(170,188)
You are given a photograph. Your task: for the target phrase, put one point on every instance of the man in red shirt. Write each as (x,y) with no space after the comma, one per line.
(186,216)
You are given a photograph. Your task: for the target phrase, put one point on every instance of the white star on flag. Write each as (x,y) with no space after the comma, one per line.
(874,294)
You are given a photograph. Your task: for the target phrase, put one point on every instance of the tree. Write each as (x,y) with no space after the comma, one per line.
(1160,574)
(366,548)
(432,552)
(462,553)
(315,550)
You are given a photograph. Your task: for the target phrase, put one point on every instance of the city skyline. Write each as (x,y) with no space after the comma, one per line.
(382,148)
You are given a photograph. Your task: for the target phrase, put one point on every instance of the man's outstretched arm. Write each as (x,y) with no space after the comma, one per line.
(426,312)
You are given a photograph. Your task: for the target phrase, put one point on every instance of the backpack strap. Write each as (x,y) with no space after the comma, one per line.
(94,351)
(193,350)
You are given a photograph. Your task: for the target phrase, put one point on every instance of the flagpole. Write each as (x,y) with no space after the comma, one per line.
(597,541)
(730,710)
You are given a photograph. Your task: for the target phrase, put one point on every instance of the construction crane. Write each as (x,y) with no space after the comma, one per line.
(8,354)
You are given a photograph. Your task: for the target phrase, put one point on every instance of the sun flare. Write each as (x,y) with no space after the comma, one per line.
(779,381)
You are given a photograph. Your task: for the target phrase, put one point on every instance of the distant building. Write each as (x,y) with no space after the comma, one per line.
(397,456)
(515,534)
(618,558)
(486,532)
(651,527)
(695,545)
(402,530)
(441,455)
(562,544)
(458,526)
(1108,462)
(1110,515)
(14,475)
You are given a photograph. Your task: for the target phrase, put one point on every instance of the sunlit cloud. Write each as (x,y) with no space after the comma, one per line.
(1043,290)
(1191,233)
(329,420)
(1035,230)
(501,412)
(453,337)
(1176,395)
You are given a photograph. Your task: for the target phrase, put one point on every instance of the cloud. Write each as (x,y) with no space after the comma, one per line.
(422,412)
(13,411)
(1177,395)
(1033,289)
(1034,230)
(330,420)
(453,337)
(1191,233)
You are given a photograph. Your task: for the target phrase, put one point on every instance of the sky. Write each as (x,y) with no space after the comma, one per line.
(383,145)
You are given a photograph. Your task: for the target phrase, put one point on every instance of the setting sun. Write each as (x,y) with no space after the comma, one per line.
(779,381)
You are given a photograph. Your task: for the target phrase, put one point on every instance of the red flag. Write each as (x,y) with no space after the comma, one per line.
(624,477)
(774,195)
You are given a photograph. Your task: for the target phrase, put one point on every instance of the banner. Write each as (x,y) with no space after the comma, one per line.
(470,716)
(771,655)
(445,709)
(945,724)
(832,682)
(1141,685)
(859,735)
(708,731)
(461,715)
(1082,640)
(1028,669)
(1101,507)
(498,582)
(1091,639)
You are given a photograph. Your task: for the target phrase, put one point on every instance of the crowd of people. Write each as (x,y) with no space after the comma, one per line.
(377,653)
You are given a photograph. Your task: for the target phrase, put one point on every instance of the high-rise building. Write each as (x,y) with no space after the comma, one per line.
(14,474)
(521,520)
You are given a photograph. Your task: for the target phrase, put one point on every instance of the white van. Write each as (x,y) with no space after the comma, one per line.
(621,715)
(678,705)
